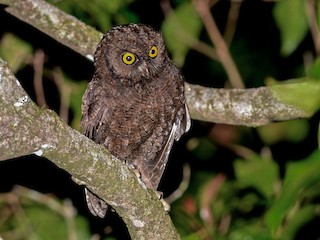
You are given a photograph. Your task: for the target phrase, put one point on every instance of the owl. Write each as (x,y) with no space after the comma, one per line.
(134,105)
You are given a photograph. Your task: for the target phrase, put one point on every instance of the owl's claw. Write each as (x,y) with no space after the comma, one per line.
(159,194)
(166,205)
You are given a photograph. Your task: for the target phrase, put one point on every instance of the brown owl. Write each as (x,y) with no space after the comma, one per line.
(134,104)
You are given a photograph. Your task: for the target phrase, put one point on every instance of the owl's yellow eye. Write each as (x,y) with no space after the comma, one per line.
(128,58)
(153,52)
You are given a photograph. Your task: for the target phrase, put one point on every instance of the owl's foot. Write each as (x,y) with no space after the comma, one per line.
(159,194)
(166,205)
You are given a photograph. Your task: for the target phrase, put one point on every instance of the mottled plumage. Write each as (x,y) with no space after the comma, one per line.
(134,104)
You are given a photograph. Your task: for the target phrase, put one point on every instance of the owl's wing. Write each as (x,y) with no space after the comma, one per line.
(89,113)
(179,127)
(93,115)
(184,124)
(90,123)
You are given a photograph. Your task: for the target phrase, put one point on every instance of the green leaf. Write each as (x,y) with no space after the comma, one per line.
(303,93)
(202,148)
(78,90)
(300,218)
(194,236)
(291,20)
(42,221)
(293,131)
(249,230)
(319,136)
(314,70)
(300,177)
(180,29)
(100,13)
(15,51)
(257,172)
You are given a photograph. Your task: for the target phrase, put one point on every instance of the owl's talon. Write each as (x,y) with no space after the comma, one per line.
(159,194)
(166,206)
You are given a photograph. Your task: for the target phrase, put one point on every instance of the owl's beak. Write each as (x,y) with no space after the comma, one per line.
(144,70)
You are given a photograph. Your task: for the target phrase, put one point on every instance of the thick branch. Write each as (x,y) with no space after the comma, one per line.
(248,107)
(253,107)
(27,129)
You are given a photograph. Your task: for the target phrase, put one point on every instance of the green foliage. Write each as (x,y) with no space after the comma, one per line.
(202,148)
(292,131)
(284,207)
(22,51)
(29,215)
(100,13)
(290,16)
(294,93)
(180,29)
(314,70)
(301,177)
(247,171)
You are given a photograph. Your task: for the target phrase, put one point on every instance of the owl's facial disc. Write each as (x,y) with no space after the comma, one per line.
(141,63)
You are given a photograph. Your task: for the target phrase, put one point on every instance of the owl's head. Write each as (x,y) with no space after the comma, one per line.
(131,53)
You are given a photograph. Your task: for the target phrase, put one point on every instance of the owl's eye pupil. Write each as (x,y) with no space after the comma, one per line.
(129,58)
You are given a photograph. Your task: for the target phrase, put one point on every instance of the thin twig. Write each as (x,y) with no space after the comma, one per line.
(38,62)
(69,216)
(64,91)
(232,20)
(208,196)
(203,9)
(183,36)
(17,212)
(312,20)
(183,185)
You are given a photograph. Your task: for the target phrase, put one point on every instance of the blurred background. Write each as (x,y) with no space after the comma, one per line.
(223,182)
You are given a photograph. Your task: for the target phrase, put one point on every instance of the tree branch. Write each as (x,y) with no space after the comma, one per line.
(28,129)
(251,107)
